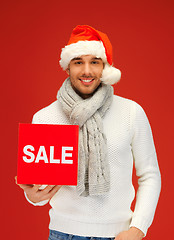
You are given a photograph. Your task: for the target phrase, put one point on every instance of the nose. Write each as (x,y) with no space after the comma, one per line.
(87,69)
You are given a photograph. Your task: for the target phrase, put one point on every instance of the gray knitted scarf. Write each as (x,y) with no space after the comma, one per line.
(93,166)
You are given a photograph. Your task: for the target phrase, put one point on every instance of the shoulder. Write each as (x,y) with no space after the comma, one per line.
(129,108)
(48,114)
(131,112)
(126,103)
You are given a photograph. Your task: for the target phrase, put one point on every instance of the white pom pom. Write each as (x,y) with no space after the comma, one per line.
(110,75)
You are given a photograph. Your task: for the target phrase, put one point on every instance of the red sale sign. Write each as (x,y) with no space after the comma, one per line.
(48,154)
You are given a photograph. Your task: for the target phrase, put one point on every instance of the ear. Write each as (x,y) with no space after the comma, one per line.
(67,70)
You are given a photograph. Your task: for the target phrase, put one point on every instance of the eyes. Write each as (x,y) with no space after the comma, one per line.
(94,62)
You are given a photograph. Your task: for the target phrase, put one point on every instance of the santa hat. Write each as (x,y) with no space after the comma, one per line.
(86,40)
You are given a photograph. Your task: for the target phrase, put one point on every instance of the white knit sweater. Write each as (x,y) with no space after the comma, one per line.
(129,139)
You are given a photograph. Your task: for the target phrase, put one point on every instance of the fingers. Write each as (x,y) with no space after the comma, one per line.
(51,189)
(16,179)
(36,187)
(56,188)
(52,192)
(48,188)
(35,194)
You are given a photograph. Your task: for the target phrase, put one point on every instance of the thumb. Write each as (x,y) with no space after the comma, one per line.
(16,180)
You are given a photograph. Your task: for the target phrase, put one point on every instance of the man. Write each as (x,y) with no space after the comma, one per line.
(114,132)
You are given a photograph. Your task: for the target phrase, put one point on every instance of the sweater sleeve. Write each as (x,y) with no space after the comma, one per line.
(147,170)
(41,203)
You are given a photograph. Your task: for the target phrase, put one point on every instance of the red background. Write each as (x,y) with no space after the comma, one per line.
(32,34)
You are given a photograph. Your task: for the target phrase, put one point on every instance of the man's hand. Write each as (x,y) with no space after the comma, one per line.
(35,195)
(132,234)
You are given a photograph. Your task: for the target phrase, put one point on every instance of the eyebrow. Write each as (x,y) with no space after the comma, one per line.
(96,58)
(79,58)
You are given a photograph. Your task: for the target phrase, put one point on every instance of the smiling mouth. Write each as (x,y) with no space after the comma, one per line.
(85,80)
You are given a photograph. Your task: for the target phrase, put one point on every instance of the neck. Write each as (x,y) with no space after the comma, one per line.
(85,96)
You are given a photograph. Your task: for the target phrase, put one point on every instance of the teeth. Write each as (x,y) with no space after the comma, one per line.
(87,81)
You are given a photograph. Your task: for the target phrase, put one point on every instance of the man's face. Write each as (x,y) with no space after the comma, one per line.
(85,73)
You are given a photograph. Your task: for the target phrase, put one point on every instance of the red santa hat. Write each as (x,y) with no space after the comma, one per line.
(86,40)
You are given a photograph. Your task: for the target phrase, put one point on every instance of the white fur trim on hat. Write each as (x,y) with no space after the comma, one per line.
(80,48)
(110,75)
